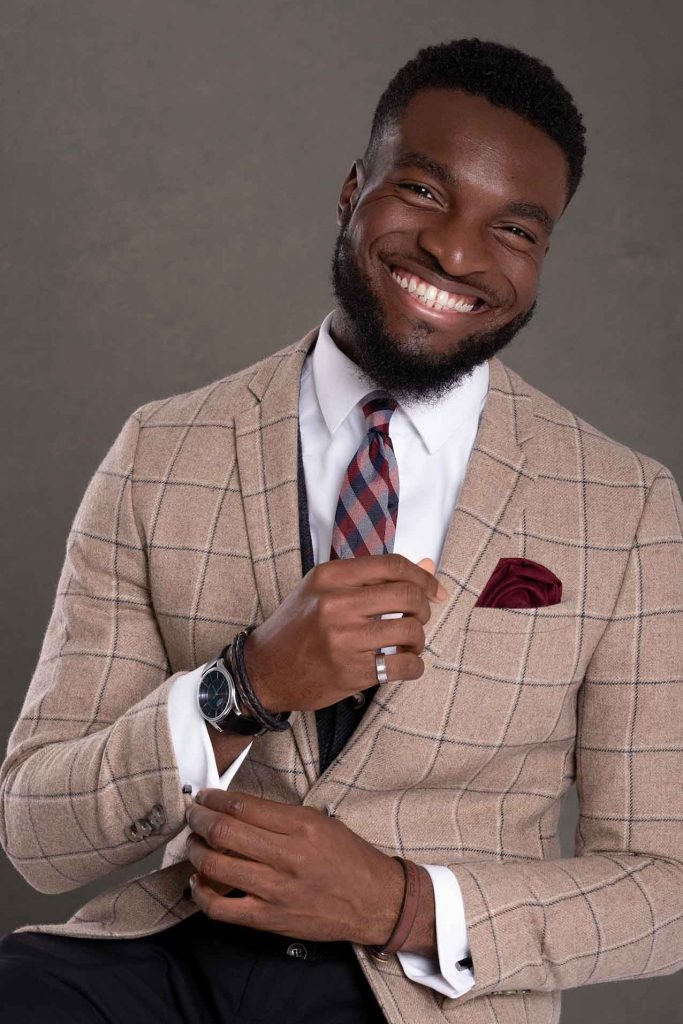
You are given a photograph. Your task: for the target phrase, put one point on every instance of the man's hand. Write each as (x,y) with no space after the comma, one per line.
(319,645)
(305,874)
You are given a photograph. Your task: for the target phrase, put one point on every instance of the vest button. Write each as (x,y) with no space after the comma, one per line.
(298,950)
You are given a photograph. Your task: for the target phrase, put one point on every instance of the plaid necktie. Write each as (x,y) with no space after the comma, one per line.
(365,524)
(367,510)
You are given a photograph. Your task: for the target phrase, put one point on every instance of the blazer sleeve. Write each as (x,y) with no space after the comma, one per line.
(90,781)
(615,910)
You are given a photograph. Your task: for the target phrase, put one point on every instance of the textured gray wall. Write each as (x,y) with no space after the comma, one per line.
(169,182)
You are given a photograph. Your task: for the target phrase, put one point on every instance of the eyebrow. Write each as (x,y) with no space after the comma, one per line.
(531,211)
(442,173)
(439,171)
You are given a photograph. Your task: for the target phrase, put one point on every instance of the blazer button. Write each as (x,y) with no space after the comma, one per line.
(132,833)
(139,830)
(145,826)
(157,816)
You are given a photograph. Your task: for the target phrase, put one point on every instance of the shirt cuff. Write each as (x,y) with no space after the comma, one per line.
(443,974)
(191,741)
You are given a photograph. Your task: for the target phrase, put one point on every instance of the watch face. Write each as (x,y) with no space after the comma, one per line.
(214,694)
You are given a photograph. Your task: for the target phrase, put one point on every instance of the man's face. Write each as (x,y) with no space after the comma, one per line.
(458,204)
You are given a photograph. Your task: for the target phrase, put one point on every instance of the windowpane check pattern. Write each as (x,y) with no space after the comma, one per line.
(189,530)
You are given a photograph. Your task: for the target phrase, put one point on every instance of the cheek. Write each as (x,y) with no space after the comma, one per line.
(521,273)
(382,221)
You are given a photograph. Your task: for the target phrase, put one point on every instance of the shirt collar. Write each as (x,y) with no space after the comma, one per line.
(340,385)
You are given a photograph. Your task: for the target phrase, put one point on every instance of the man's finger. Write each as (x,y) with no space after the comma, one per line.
(224,831)
(255,810)
(248,875)
(404,665)
(390,568)
(247,910)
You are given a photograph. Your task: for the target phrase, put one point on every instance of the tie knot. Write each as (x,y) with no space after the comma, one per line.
(377,411)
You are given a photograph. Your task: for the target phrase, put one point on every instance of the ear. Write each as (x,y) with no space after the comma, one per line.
(350,191)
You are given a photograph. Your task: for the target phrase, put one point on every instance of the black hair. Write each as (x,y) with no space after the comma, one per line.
(505,76)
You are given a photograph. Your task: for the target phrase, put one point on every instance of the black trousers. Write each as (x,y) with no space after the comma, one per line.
(196,972)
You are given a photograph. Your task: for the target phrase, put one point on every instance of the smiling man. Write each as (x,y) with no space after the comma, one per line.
(340,630)
(445,225)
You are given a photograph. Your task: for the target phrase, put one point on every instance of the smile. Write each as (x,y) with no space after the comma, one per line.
(427,296)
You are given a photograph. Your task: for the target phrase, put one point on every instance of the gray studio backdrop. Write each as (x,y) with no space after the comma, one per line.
(170,175)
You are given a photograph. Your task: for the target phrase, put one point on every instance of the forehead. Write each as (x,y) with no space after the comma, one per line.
(482,144)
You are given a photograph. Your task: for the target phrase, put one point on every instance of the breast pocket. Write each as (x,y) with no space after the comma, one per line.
(513,675)
(498,696)
(551,618)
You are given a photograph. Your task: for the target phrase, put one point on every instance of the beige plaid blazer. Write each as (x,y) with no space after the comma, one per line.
(189,530)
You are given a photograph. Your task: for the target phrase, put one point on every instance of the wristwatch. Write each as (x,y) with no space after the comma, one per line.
(217,701)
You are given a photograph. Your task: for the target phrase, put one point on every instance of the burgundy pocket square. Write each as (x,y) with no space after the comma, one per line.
(520,583)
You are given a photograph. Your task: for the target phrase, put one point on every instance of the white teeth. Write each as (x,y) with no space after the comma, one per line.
(431,296)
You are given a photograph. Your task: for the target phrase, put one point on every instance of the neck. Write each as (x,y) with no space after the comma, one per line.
(342,335)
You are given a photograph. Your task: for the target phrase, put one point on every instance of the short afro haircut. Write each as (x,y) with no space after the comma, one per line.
(505,76)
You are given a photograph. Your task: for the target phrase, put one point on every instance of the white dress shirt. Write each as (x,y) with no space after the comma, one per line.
(432,443)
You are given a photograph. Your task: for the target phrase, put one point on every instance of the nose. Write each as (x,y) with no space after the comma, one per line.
(458,243)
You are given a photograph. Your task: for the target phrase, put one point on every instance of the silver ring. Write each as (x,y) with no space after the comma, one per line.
(381,668)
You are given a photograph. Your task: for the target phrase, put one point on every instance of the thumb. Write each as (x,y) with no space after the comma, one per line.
(430,566)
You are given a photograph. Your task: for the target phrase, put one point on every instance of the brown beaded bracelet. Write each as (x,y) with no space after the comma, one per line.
(406,918)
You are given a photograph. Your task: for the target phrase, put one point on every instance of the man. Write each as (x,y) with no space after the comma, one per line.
(386,846)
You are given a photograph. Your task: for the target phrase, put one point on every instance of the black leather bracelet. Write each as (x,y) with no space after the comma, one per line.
(244,707)
(241,695)
(245,691)
(278,722)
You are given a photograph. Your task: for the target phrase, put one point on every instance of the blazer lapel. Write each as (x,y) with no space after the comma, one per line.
(498,483)
(266,444)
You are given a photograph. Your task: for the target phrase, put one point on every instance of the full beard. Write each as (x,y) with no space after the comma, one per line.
(407,370)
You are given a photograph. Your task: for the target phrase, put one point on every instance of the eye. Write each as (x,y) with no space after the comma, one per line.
(414,185)
(522,232)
